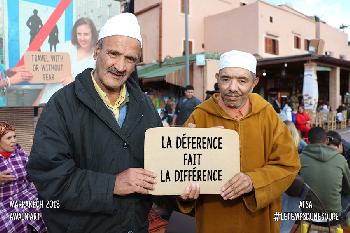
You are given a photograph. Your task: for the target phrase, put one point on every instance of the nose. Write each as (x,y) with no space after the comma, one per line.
(13,140)
(233,85)
(120,64)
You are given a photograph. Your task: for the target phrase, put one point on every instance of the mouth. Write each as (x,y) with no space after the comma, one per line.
(233,97)
(116,75)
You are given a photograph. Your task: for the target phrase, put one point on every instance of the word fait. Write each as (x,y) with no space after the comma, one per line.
(38,204)
(317,217)
(31,216)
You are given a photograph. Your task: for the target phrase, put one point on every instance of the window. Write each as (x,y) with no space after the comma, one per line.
(297,42)
(271,19)
(306,44)
(189,46)
(271,46)
(183,6)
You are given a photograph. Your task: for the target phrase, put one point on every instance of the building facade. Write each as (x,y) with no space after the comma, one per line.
(265,30)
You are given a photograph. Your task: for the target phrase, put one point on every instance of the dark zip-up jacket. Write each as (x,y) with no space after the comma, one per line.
(77,152)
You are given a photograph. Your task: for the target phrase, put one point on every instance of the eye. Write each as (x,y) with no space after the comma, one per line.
(131,59)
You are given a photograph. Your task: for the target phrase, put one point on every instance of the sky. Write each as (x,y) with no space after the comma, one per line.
(333,12)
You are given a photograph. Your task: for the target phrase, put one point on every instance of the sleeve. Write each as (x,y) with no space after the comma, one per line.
(278,173)
(307,117)
(346,177)
(53,169)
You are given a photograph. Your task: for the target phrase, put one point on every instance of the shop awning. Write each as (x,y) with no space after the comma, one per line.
(171,74)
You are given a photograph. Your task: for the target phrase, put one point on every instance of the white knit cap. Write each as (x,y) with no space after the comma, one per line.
(238,59)
(124,24)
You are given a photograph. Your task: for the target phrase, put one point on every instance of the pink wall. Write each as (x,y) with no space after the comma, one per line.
(245,29)
(174,20)
(234,29)
(336,41)
(150,40)
(286,24)
(142,4)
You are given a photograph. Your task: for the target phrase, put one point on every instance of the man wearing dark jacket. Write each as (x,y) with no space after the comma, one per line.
(87,156)
(325,170)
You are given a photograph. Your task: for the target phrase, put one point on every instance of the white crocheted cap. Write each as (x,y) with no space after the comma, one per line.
(235,58)
(124,24)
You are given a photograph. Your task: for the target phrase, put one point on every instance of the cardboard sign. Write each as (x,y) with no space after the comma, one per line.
(47,67)
(180,156)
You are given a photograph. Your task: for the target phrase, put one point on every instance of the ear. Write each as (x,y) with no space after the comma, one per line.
(217,77)
(256,81)
(96,51)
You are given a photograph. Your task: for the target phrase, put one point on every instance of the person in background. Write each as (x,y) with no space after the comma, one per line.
(302,121)
(210,93)
(325,170)
(276,104)
(88,147)
(339,115)
(16,187)
(269,159)
(80,49)
(286,113)
(298,141)
(297,191)
(185,106)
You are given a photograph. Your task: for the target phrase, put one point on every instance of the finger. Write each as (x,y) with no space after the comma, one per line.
(232,181)
(144,185)
(147,179)
(197,191)
(9,178)
(184,195)
(194,191)
(229,192)
(5,172)
(146,172)
(139,189)
(191,125)
(219,126)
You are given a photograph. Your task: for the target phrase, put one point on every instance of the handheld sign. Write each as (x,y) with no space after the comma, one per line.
(47,67)
(179,156)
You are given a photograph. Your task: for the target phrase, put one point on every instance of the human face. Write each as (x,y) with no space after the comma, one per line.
(115,61)
(189,94)
(84,36)
(234,85)
(300,109)
(8,142)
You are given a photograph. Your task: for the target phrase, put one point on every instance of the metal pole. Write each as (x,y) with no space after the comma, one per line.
(187,60)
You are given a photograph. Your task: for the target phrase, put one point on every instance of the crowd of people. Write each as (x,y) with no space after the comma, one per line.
(88,148)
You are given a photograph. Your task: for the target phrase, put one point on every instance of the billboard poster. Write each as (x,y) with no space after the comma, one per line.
(310,86)
(62,29)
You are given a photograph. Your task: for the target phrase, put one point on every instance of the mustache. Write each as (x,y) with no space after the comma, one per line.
(233,93)
(115,71)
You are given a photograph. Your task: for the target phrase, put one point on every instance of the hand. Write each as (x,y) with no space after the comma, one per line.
(67,80)
(191,125)
(19,74)
(6,176)
(134,180)
(236,186)
(191,192)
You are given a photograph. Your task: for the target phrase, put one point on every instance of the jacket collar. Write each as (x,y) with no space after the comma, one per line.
(86,93)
